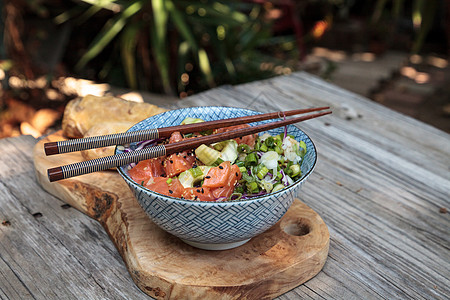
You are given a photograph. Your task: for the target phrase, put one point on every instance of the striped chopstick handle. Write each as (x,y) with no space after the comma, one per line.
(104,163)
(100,141)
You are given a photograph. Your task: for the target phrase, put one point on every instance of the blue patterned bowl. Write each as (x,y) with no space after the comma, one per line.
(216,225)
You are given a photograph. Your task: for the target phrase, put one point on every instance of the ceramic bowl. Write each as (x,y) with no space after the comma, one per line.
(216,225)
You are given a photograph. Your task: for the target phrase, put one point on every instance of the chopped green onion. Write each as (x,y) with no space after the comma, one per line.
(279,175)
(206,132)
(217,162)
(196,172)
(257,145)
(267,186)
(169,181)
(252,187)
(289,164)
(269,141)
(239,163)
(239,189)
(244,148)
(242,169)
(278,149)
(190,120)
(302,145)
(277,187)
(262,172)
(295,170)
(302,149)
(239,195)
(263,148)
(251,159)
(247,177)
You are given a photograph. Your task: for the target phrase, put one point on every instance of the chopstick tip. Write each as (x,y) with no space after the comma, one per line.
(51,148)
(55,174)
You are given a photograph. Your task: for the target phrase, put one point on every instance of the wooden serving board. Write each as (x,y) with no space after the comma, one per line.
(293,251)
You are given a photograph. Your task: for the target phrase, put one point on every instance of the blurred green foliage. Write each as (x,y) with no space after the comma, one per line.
(182,47)
(422,14)
(193,45)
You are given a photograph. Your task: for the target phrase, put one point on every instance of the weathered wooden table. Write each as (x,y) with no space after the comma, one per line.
(382,186)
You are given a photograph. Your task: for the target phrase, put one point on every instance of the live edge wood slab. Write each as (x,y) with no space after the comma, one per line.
(293,251)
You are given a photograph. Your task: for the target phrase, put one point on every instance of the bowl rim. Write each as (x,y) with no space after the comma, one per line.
(222,203)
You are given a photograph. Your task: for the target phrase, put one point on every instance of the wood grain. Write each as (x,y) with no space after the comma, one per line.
(47,248)
(290,253)
(380,181)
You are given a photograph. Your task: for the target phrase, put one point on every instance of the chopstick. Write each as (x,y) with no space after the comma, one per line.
(104,163)
(59,147)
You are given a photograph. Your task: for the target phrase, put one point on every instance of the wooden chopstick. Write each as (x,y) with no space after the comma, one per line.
(59,147)
(108,162)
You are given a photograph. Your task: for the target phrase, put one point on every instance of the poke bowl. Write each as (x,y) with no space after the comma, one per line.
(226,222)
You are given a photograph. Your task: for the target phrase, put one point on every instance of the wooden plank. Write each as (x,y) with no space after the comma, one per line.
(48,251)
(268,265)
(380,181)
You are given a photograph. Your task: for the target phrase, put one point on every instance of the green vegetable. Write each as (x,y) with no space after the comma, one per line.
(277,187)
(206,154)
(295,170)
(239,163)
(251,160)
(247,178)
(217,162)
(269,142)
(263,148)
(239,195)
(188,179)
(229,151)
(196,172)
(279,175)
(252,187)
(278,149)
(302,150)
(261,172)
(239,189)
(267,186)
(244,148)
(190,120)
(257,145)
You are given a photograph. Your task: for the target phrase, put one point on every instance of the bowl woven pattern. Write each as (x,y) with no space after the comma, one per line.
(217,222)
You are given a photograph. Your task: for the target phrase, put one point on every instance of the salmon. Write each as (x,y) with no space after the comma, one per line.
(147,169)
(179,162)
(227,189)
(218,176)
(248,139)
(166,186)
(198,193)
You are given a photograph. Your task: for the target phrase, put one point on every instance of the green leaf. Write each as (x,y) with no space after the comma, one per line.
(88,14)
(109,31)
(159,42)
(70,14)
(427,11)
(205,67)
(128,44)
(181,25)
(105,4)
